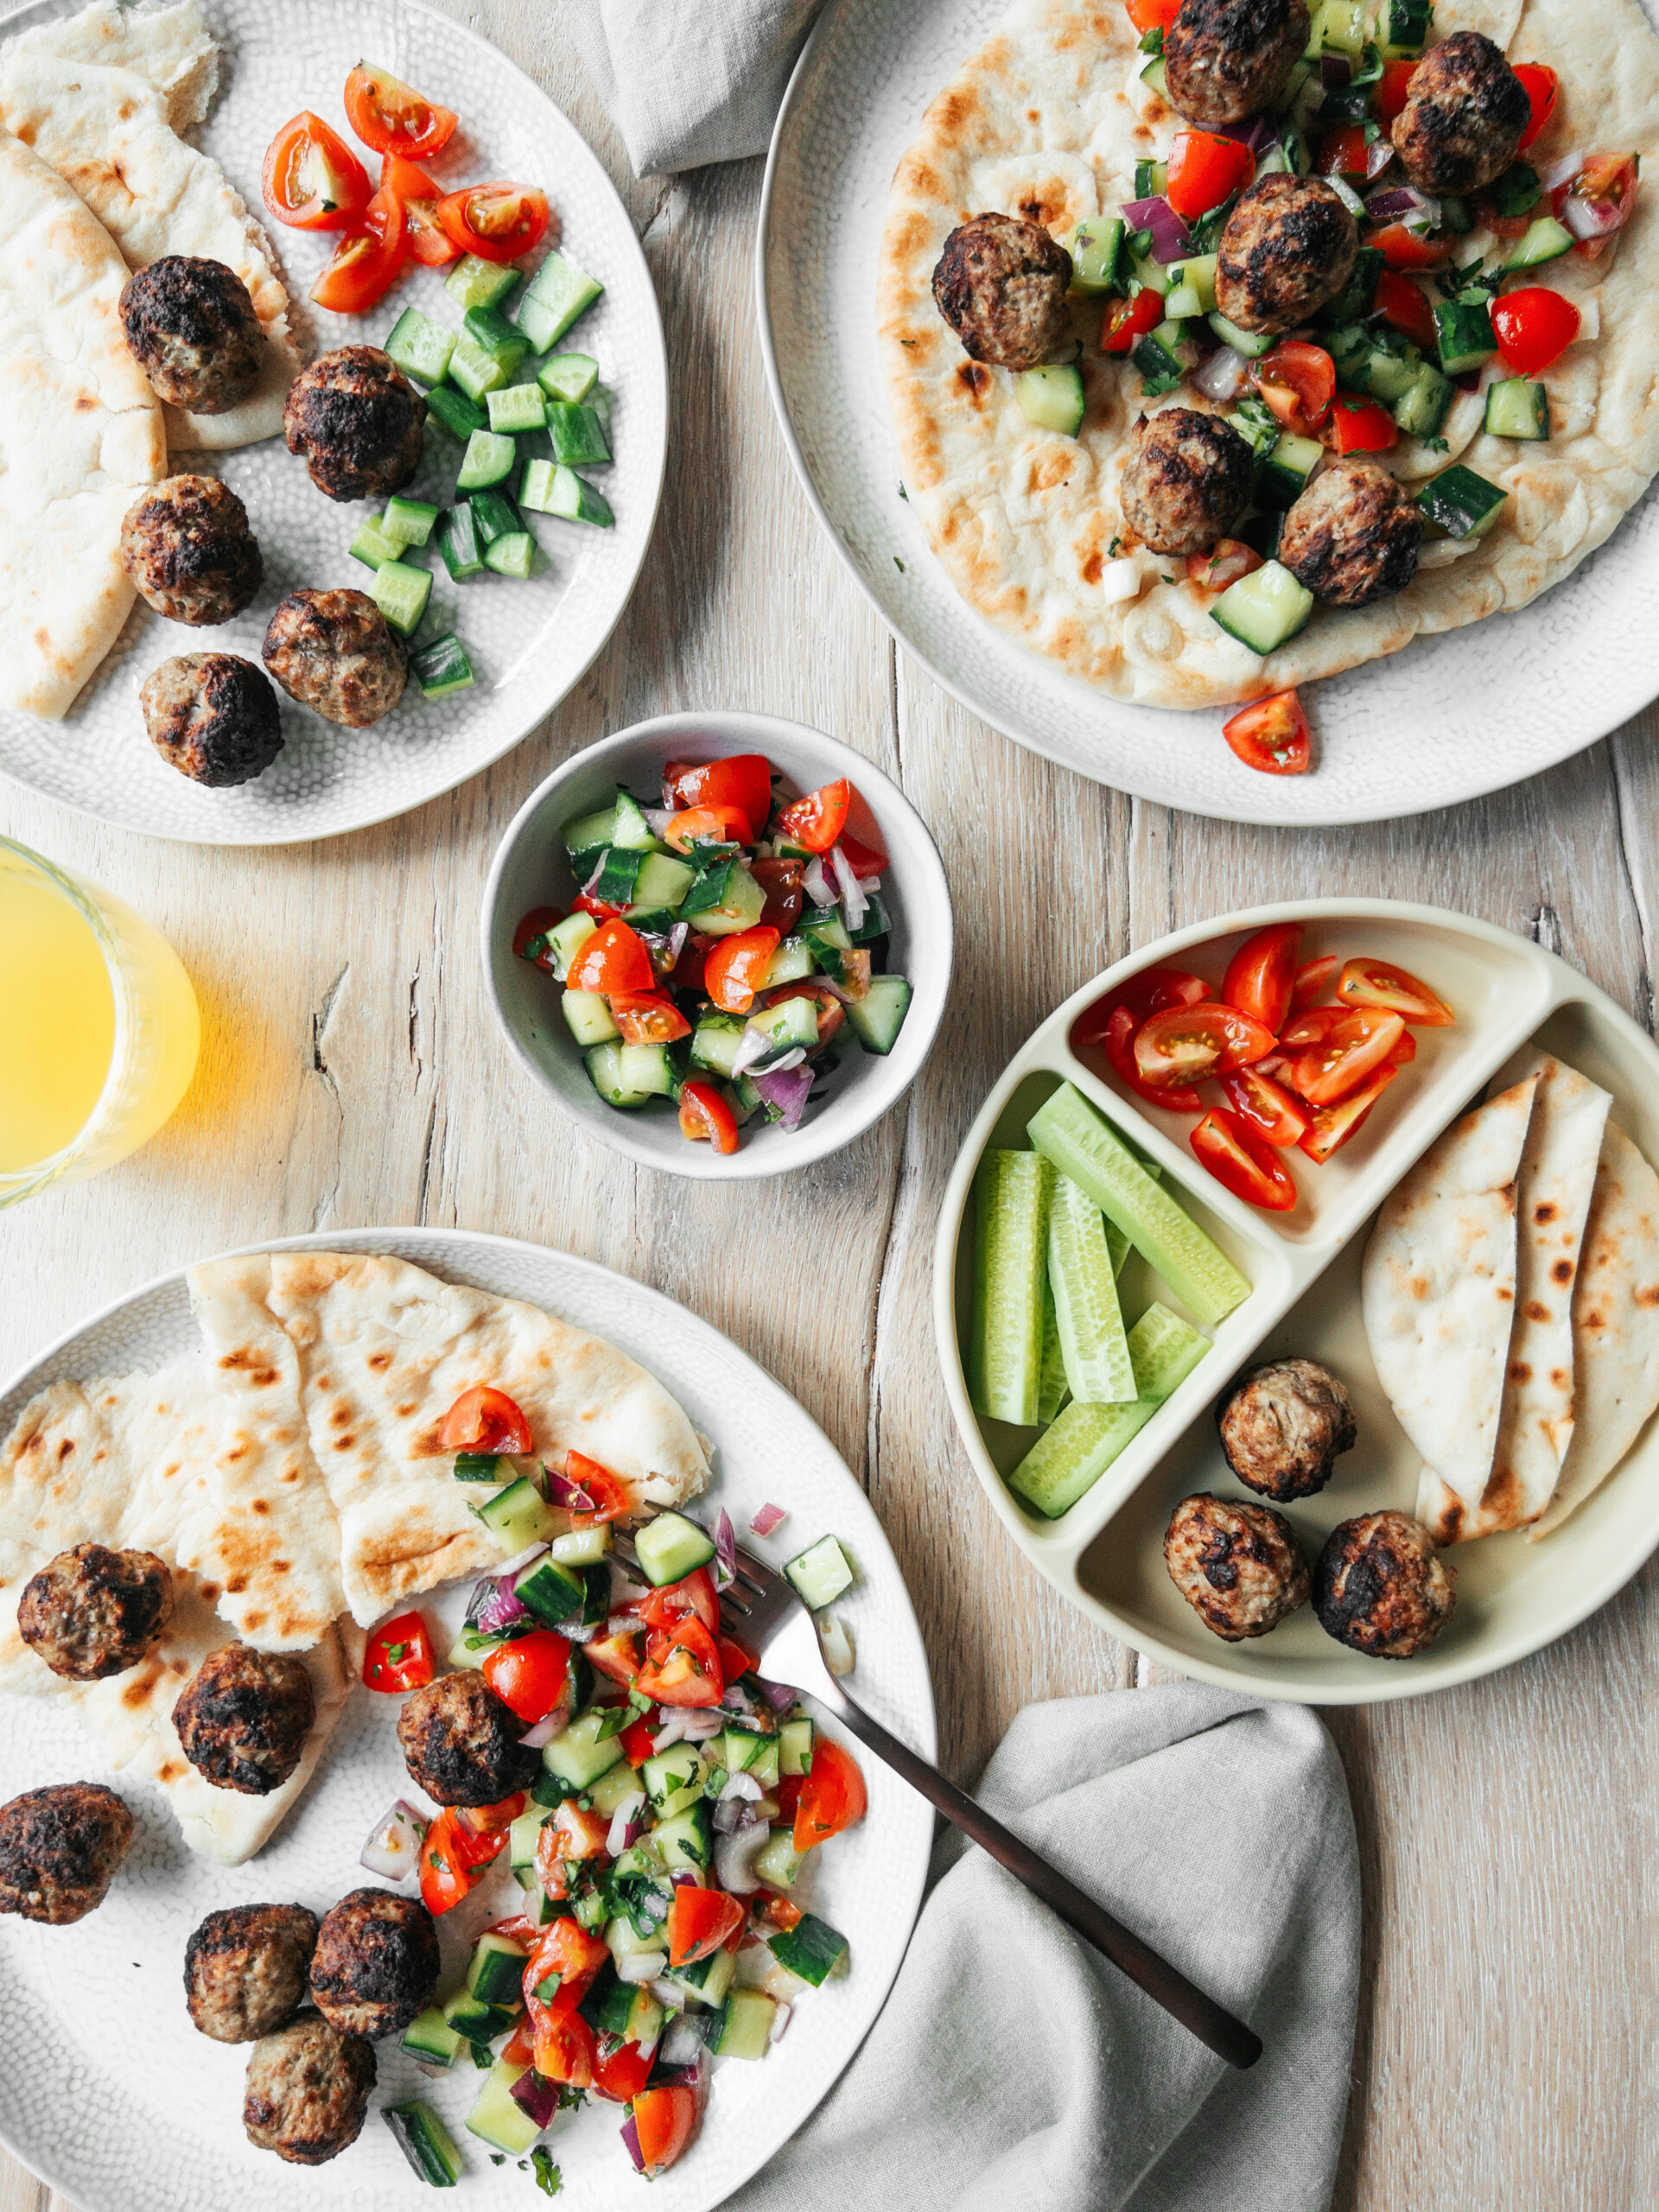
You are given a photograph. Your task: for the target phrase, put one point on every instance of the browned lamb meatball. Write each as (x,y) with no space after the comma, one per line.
(1226,60)
(245,1969)
(60,1850)
(307,2091)
(460,1742)
(335,652)
(1286,249)
(192,328)
(1353,536)
(1462,118)
(375,1964)
(188,552)
(92,1612)
(1186,482)
(1379,1587)
(244,1718)
(1284,1426)
(1001,283)
(1238,1565)
(358,420)
(213,717)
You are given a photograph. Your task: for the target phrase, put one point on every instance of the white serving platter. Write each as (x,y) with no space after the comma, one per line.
(107,2091)
(1106,1554)
(1448,719)
(530,642)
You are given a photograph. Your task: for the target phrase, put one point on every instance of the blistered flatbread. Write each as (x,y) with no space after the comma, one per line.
(172,47)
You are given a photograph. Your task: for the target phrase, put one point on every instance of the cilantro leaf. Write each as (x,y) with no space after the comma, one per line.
(549,2179)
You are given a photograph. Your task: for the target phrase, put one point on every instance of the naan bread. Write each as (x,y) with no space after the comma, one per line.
(1041,121)
(80,436)
(171,46)
(1437,1289)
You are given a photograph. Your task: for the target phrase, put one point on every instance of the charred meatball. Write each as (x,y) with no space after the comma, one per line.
(244,1718)
(91,1612)
(334,650)
(188,552)
(244,1970)
(192,329)
(307,2091)
(1353,536)
(213,717)
(1001,284)
(375,1964)
(1186,482)
(357,421)
(1379,1587)
(1286,249)
(1464,113)
(1226,60)
(1238,1565)
(461,1743)
(1284,1427)
(60,1849)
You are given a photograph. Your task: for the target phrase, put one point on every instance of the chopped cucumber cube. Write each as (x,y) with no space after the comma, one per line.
(496,2117)
(494,516)
(420,347)
(426,2142)
(513,555)
(373,545)
(1460,504)
(519,1516)
(557,296)
(1263,609)
(489,459)
(568,376)
(400,591)
(1339,27)
(1421,411)
(566,938)
(1093,1342)
(409,520)
(1252,344)
(746,2026)
(490,332)
(1052,398)
(821,1573)
(588,1016)
(724,899)
(429,2040)
(1546,240)
(583,1751)
(715,1042)
(577,434)
(495,1972)
(453,411)
(1096,246)
(475,371)
(1197,275)
(662,880)
(458,543)
(1012,1191)
(536,486)
(1463,332)
(792,962)
(573,499)
(795,1741)
(1150,179)
(1072,1456)
(478,283)
(812,1949)
(1406,27)
(1517,408)
(519,408)
(669,1546)
(1287,467)
(442,667)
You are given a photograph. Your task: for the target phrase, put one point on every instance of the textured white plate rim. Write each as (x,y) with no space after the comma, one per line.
(908,1879)
(703,1164)
(1391,1682)
(1618,709)
(658,366)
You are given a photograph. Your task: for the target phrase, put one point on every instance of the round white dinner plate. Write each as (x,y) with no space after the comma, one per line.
(1445,719)
(530,642)
(108,2092)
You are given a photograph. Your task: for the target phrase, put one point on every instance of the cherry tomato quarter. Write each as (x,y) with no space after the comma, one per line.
(682,1666)
(833,1795)
(498,222)
(1264,1106)
(1128,320)
(1358,1041)
(1360,426)
(1408,307)
(445,1878)
(1152,14)
(705,1118)
(398,1656)
(817,820)
(1272,735)
(1542,87)
(710,823)
(530,1673)
(1203,170)
(610,1497)
(613,959)
(1313,979)
(699,1921)
(1240,1162)
(1298,382)
(529,938)
(367,261)
(392,117)
(735,970)
(1333,1126)
(1261,974)
(648,1018)
(313,180)
(427,241)
(741,779)
(1378,984)
(484,1420)
(1394,90)
(1121,1031)
(664,2122)
(1402,248)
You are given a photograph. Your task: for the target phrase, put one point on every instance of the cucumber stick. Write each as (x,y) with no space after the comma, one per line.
(1068,1131)
(1072,1455)
(1012,1195)
(1052,1388)
(1093,1346)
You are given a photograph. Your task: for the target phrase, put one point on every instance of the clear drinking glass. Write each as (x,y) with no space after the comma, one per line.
(99,1027)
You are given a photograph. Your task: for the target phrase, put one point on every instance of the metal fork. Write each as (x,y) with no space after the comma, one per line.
(765,1613)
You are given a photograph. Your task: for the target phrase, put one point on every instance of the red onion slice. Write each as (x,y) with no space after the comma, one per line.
(563,1492)
(537,2097)
(642,1968)
(778,1695)
(628,1825)
(1335,70)
(767,1519)
(1259,133)
(725,1550)
(631,2138)
(393,1848)
(1221,377)
(852,898)
(787,1088)
(815,884)
(1562,171)
(1170,235)
(734,1858)
(702,1725)
(1591,218)
(1378,155)
(541,1732)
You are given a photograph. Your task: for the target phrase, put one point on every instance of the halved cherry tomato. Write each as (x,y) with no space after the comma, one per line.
(613,959)
(1360,426)
(737,968)
(622,2076)
(1376,983)
(1542,87)
(1152,14)
(1534,328)
(565,2049)
(693,1593)
(484,1420)
(619,1657)
(648,1017)
(531,1674)
(705,1118)
(1345,151)
(1128,320)
(1402,248)
(1333,1126)
(1264,1106)
(1261,974)
(1204,169)
(638,1742)
(1153,991)
(393,118)
(833,1795)
(741,779)
(664,2121)
(1357,1041)
(398,1656)
(1227,559)
(1298,381)
(1312,980)
(699,1923)
(1406,305)
(1119,1040)
(611,1498)
(368,261)
(313,180)
(1189,1043)
(1392,93)
(781,881)
(682,1667)
(529,938)
(1607,182)
(714,825)
(498,222)
(1241,1163)
(831,1012)
(445,1878)
(429,242)
(817,820)
(1272,735)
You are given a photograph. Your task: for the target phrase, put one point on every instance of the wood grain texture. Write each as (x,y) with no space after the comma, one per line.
(350,1075)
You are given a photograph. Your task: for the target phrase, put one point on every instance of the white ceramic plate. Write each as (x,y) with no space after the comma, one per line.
(108,2092)
(1444,721)
(530,642)
(1106,1554)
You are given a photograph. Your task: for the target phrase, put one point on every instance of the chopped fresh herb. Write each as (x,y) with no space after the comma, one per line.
(1112,549)
(549,2179)
(1205,233)
(640,1704)
(1162,578)
(395,1652)
(1435,445)
(898,564)
(903,495)
(498,2158)
(1371,66)
(483,2057)
(1152,42)
(1139,243)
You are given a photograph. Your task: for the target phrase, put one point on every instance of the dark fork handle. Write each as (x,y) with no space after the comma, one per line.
(1228,2037)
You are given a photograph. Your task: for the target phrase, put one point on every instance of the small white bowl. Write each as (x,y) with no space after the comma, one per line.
(530,870)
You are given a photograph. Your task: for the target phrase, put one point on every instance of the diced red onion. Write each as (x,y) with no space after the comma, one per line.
(753,1044)
(571,1495)
(852,898)
(1221,377)
(500,1607)
(627,1823)
(742,1785)
(701,1724)
(1420,212)
(669,1994)
(838,1656)
(1169,233)
(785,1088)
(869,883)
(1258,133)
(681,2045)
(1591,218)
(815,884)
(394,1844)
(536,2097)
(725,1550)
(1335,70)
(767,1519)
(641,1967)
(1378,155)
(542,1732)
(654,1906)
(734,1858)
(672,1733)
(520,1560)
(599,870)
(780,2020)
(778,1695)
(631,2138)
(729,1815)
(660,817)
(1562,171)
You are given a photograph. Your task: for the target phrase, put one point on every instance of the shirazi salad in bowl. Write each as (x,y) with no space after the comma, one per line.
(670,1803)
(723,947)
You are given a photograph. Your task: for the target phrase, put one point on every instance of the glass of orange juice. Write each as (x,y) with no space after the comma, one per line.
(99,1027)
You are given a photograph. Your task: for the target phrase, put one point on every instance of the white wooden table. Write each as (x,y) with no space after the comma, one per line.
(350,1075)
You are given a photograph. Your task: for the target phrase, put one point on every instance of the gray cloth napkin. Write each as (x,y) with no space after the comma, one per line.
(1011,2068)
(690,81)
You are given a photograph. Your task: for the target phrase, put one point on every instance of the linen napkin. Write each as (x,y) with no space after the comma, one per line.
(1013,2068)
(690,81)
